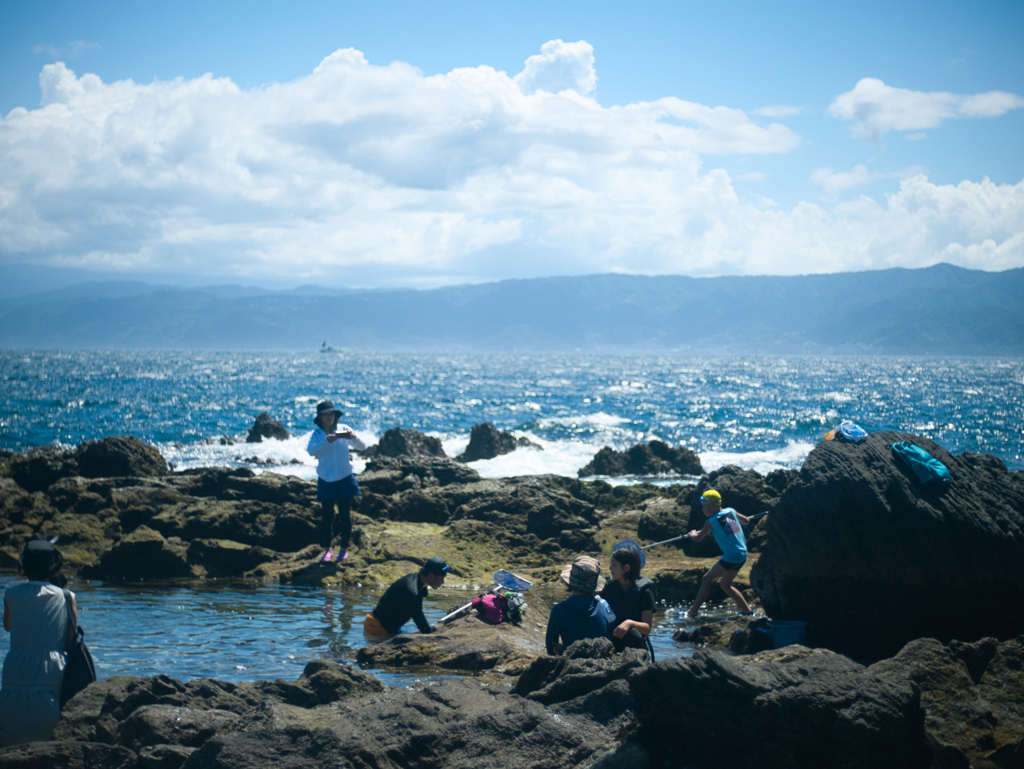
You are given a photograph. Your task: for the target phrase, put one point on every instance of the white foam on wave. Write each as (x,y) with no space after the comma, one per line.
(790,456)
(557,457)
(287,457)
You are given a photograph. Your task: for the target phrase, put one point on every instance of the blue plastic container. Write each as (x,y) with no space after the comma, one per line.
(786,631)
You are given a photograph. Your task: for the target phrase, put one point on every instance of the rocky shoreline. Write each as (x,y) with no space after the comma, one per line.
(914,599)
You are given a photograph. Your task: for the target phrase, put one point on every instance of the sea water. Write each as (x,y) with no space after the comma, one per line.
(758,413)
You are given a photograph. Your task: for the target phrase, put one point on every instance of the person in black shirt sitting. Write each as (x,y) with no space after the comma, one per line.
(632,602)
(403,600)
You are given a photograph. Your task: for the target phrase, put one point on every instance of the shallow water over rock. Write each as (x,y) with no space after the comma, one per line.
(237,631)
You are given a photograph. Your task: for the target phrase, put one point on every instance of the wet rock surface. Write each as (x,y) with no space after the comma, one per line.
(466,643)
(872,559)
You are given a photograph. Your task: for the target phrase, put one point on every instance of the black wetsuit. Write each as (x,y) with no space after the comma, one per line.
(400,603)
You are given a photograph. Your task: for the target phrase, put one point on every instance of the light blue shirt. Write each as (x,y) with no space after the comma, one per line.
(729,535)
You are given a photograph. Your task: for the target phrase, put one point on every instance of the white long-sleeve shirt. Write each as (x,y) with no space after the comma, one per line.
(333,461)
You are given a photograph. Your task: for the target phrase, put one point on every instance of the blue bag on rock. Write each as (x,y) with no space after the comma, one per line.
(926,467)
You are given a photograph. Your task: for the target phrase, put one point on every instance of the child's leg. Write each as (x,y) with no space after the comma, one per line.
(327,530)
(734,593)
(345,521)
(714,573)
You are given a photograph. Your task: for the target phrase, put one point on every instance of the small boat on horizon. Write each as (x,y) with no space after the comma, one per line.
(326,348)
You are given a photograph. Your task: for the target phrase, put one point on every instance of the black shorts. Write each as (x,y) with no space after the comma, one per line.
(731,566)
(346,487)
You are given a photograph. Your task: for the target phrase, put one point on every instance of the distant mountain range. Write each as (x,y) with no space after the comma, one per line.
(941,310)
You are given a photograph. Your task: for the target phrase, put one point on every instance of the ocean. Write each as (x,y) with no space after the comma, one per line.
(758,413)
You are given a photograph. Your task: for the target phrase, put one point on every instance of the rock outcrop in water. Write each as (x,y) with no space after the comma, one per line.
(398,442)
(487,442)
(654,458)
(119,455)
(871,558)
(266,427)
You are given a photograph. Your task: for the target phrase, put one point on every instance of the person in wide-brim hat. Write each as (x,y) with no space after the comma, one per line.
(336,482)
(583,614)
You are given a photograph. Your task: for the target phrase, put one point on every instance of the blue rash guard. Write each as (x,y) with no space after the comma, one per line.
(579,616)
(729,535)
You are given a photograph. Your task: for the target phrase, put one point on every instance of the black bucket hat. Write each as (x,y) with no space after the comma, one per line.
(323,408)
(40,557)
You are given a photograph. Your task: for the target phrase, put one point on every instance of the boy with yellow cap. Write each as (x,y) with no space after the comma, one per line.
(727,527)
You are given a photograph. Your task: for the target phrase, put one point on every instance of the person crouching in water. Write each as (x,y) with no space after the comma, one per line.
(583,614)
(633,607)
(336,483)
(403,600)
(727,527)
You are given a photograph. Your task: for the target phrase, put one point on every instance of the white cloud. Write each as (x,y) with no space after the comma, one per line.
(560,67)
(877,108)
(360,174)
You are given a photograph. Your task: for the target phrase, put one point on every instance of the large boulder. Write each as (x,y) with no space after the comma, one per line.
(872,559)
(120,456)
(654,458)
(264,427)
(792,707)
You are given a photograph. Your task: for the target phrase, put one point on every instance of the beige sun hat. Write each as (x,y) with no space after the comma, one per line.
(583,574)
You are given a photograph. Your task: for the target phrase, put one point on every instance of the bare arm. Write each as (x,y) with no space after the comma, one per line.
(742,519)
(643,626)
(73,620)
(697,536)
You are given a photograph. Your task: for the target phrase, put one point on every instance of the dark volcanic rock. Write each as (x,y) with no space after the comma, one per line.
(224,558)
(487,442)
(120,456)
(67,755)
(388,475)
(117,456)
(398,442)
(266,427)
(143,554)
(654,458)
(984,717)
(449,725)
(794,707)
(37,468)
(873,559)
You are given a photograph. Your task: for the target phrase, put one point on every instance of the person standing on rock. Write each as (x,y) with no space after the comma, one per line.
(403,600)
(336,483)
(583,614)
(36,616)
(727,527)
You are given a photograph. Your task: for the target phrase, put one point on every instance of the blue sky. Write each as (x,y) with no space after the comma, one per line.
(423,144)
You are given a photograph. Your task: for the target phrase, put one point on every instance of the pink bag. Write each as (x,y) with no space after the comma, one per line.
(489,607)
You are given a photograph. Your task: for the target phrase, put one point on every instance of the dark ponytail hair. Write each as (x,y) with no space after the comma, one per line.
(627,556)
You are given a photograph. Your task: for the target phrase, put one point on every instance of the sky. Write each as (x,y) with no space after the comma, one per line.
(421,144)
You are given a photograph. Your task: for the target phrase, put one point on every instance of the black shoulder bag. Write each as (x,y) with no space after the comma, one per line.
(79,671)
